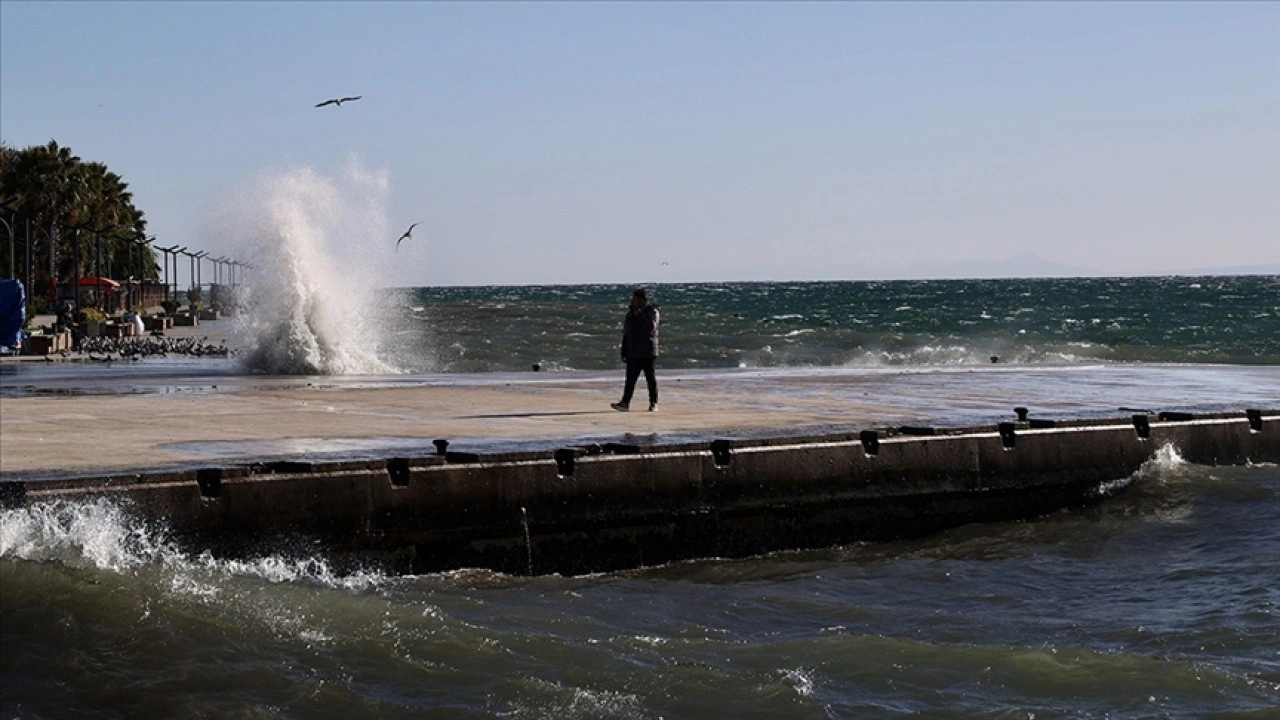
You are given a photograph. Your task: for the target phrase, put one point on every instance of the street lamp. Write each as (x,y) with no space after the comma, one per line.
(171,290)
(97,260)
(197,258)
(9,228)
(142,241)
(193,278)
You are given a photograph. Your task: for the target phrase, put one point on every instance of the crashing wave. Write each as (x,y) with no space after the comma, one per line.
(313,309)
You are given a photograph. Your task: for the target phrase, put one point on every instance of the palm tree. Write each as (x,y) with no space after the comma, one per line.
(67,199)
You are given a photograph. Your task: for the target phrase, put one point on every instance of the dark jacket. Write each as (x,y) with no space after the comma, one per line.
(640,334)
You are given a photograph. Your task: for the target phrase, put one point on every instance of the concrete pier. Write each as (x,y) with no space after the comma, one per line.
(580,507)
(533,473)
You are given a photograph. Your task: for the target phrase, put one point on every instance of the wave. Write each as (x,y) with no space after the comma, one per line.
(101,534)
(312,309)
(931,355)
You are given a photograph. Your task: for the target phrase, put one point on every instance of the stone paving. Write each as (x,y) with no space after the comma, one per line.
(108,418)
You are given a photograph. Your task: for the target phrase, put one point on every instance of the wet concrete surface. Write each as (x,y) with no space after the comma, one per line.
(66,418)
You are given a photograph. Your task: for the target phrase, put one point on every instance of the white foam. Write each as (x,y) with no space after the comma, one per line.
(102,534)
(1165,460)
(800,680)
(97,533)
(316,245)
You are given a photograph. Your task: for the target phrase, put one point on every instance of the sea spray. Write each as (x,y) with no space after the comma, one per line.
(1165,461)
(104,535)
(316,248)
(94,533)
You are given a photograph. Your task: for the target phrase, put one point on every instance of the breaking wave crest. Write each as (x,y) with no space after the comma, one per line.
(315,243)
(1165,461)
(102,535)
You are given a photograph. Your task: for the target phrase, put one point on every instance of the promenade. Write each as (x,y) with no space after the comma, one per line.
(69,418)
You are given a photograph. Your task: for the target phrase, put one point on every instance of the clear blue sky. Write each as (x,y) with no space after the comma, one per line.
(583,142)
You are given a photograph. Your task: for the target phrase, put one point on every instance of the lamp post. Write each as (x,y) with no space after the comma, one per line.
(97,264)
(53,257)
(30,266)
(192,278)
(28,274)
(215,288)
(9,228)
(191,265)
(198,257)
(75,269)
(141,241)
(224,272)
(169,251)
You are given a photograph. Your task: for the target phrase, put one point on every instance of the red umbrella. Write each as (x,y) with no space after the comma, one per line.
(96,281)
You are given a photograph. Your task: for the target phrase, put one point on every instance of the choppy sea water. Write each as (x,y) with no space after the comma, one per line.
(1158,602)
(1231,320)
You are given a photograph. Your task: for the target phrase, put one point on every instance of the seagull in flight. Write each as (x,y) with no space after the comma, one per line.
(407,233)
(338,101)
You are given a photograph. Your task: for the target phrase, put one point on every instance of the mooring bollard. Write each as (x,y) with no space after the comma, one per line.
(721,453)
(1142,425)
(564,461)
(1008,436)
(442,446)
(210,482)
(398,472)
(870,442)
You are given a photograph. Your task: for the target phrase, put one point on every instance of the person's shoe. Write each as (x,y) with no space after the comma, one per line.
(620,407)
(653,407)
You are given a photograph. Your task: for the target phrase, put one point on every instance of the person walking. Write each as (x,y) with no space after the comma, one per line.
(639,349)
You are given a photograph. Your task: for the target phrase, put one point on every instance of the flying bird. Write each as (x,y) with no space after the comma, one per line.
(338,101)
(407,233)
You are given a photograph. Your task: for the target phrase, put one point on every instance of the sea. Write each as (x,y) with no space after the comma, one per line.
(1162,601)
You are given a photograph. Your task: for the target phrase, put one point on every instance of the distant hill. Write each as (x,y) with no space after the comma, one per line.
(1272,269)
(1018,266)
(1032,266)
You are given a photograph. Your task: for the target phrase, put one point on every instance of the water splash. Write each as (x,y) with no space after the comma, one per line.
(1163,463)
(102,534)
(97,533)
(316,248)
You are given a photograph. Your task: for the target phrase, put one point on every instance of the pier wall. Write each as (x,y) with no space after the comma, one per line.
(594,508)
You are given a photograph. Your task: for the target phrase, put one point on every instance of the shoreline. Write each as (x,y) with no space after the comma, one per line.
(581,509)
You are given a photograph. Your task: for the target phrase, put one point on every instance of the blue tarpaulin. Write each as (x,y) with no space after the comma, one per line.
(13,313)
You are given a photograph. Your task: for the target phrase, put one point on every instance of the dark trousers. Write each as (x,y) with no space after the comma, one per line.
(634,367)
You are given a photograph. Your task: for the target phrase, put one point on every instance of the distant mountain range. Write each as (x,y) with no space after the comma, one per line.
(1272,269)
(1032,266)
(1017,266)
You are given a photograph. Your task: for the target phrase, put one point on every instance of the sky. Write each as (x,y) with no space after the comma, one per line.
(578,142)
